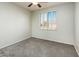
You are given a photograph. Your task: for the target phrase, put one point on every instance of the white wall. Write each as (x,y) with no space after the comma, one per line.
(64,32)
(14,24)
(77,27)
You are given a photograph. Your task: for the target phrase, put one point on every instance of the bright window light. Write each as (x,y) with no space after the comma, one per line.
(48,20)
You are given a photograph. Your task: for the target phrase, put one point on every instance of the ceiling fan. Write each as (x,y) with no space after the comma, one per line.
(34,3)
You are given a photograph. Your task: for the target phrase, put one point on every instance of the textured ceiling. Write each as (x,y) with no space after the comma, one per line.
(34,7)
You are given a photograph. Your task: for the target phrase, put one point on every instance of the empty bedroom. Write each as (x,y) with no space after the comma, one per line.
(39,29)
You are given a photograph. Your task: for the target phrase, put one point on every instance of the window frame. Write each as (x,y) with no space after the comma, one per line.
(48,21)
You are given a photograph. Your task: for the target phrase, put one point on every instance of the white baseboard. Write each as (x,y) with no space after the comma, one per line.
(77,49)
(28,36)
(40,37)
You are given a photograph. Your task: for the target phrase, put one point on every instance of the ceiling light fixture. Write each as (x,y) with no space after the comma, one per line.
(35,3)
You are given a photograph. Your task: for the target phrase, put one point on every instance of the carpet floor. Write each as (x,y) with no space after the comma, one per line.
(34,47)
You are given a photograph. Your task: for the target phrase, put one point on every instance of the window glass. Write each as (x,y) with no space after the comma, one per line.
(48,20)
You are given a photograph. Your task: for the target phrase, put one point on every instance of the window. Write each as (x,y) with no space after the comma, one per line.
(48,20)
